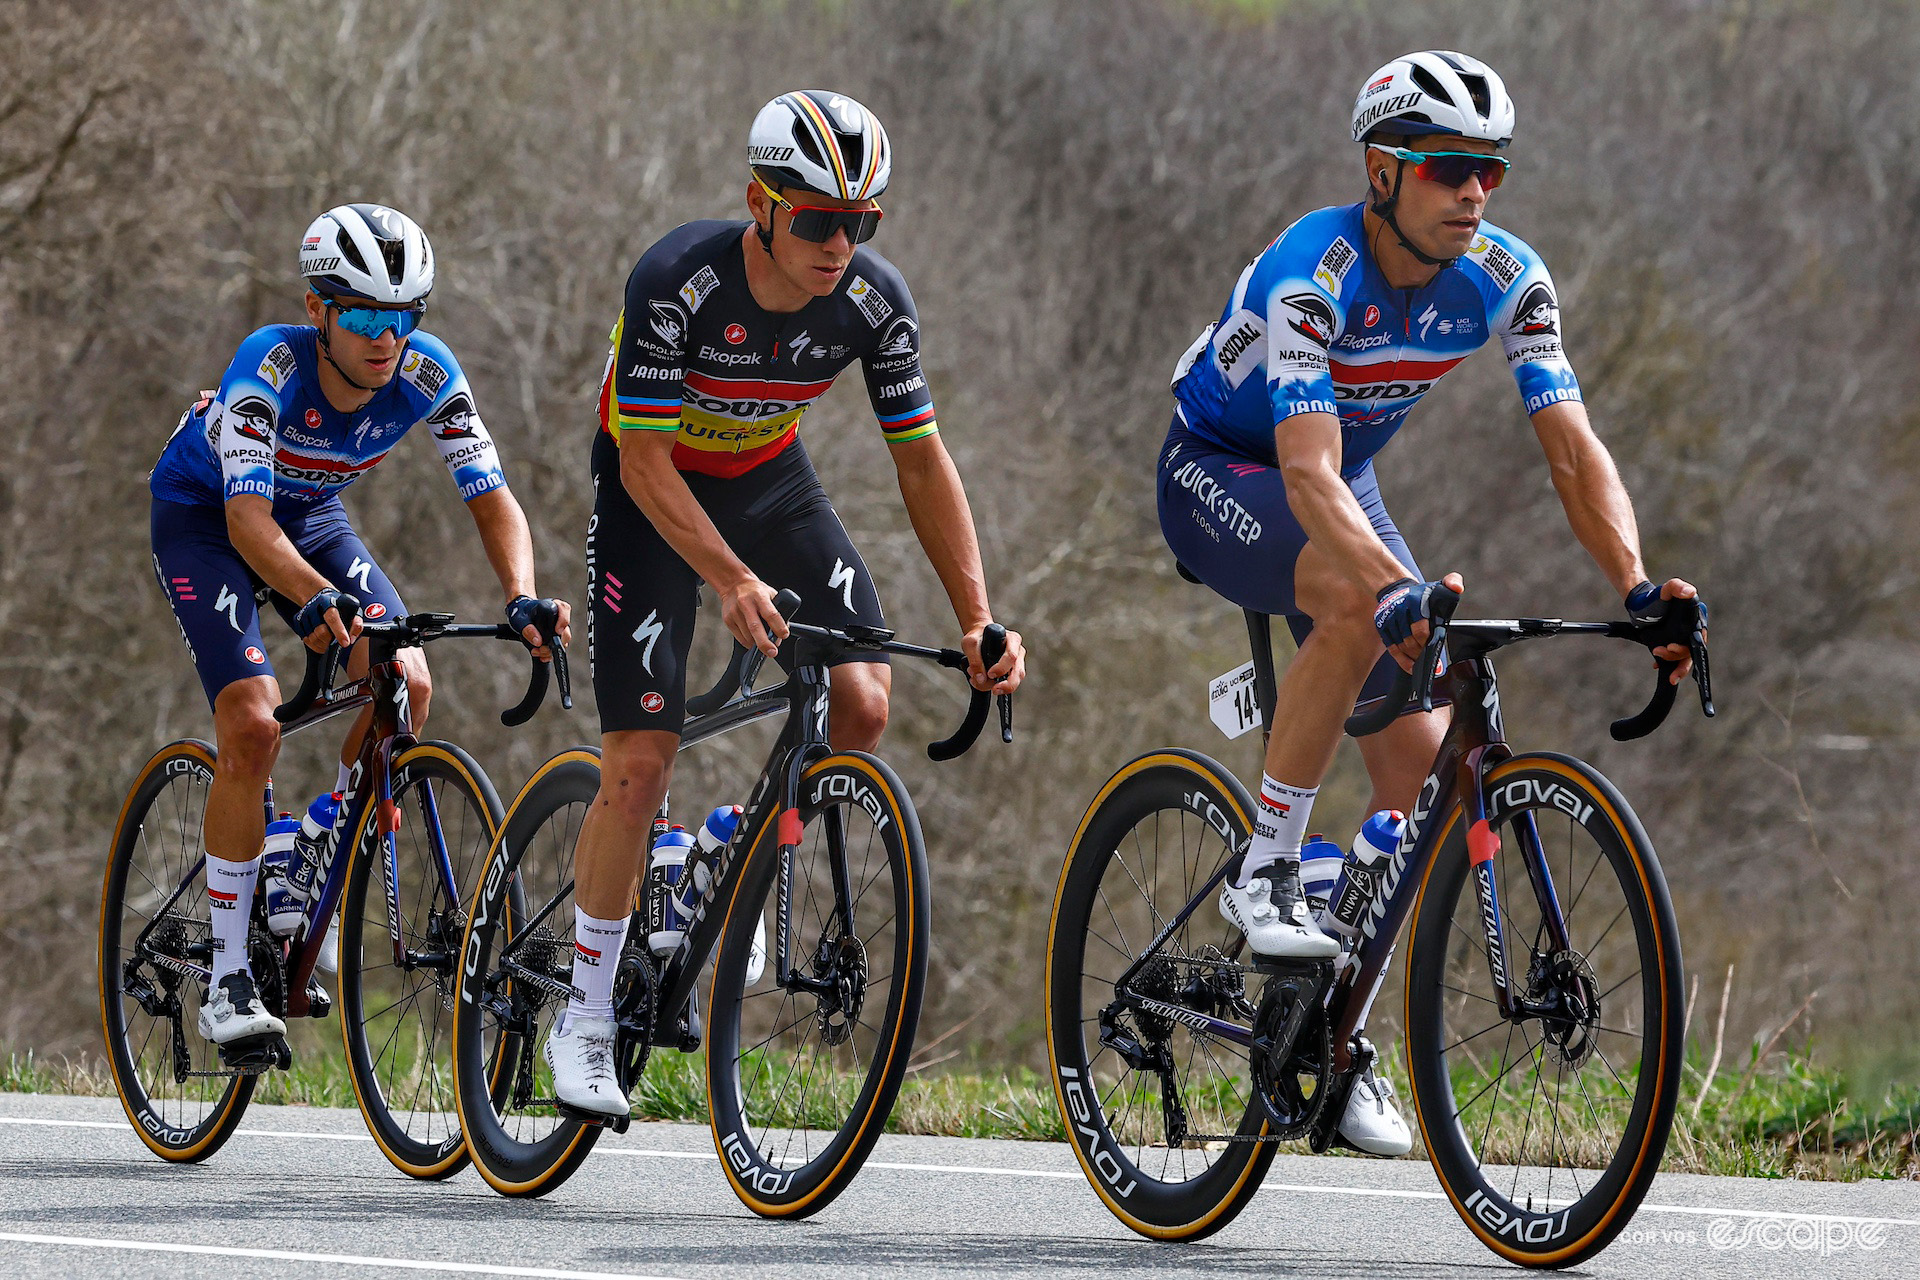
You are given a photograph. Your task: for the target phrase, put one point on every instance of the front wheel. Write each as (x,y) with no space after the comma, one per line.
(1547,1125)
(803,1066)
(402,920)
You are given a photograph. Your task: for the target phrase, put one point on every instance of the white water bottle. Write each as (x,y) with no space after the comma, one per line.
(284,906)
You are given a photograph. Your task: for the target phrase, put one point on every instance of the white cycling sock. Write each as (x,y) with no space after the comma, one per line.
(1278,825)
(230,902)
(340,781)
(596,953)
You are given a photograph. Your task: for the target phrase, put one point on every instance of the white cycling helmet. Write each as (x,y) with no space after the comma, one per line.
(1435,91)
(823,142)
(367,251)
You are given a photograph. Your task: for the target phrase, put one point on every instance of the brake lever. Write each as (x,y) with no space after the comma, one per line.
(1429,666)
(1701,677)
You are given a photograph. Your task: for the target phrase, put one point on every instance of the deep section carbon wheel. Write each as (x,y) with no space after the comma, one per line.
(1165,1117)
(803,1066)
(183,1104)
(403,918)
(516,969)
(1546,1126)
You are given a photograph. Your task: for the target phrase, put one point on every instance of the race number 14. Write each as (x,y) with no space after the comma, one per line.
(1230,701)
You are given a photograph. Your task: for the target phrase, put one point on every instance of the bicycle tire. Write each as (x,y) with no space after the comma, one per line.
(755,1129)
(1218,811)
(542,1149)
(1442,953)
(160,828)
(433,925)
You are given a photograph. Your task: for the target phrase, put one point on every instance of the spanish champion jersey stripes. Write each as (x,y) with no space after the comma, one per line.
(694,354)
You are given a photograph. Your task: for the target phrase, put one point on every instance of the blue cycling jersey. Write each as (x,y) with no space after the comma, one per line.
(271,432)
(1313,326)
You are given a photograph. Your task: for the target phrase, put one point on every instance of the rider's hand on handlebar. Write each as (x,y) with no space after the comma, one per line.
(1644,606)
(529,616)
(747,609)
(1005,675)
(1402,612)
(318,622)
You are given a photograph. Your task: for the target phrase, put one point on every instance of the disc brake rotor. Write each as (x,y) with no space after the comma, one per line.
(841,961)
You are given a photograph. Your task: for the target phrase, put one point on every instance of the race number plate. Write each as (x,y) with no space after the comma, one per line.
(1230,701)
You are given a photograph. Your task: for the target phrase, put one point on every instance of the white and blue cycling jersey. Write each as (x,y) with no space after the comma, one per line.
(1313,326)
(271,432)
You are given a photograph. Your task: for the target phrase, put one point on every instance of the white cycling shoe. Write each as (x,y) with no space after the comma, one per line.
(1372,1124)
(233,1011)
(757,958)
(1272,911)
(582,1061)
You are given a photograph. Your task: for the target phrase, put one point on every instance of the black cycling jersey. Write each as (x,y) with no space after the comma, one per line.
(693,353)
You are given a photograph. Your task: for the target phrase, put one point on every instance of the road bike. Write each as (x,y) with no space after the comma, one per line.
(803,1061)
(416,818)
(1543,1014)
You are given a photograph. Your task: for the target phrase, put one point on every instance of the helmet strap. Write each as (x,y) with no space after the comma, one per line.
(1384,209)
(326,350)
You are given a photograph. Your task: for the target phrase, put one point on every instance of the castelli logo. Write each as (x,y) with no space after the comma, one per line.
(254,656)
(1373,317)
(313,419)
(653,701)
(736,334)
(376,610)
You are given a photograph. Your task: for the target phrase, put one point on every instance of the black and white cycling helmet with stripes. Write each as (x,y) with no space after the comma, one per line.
(367,251)
(1434,91)
(822,142)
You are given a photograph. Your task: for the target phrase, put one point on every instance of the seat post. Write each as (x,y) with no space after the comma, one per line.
(1265,688)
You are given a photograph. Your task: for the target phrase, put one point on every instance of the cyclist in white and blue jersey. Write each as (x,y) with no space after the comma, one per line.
(246,511)
(1266,483)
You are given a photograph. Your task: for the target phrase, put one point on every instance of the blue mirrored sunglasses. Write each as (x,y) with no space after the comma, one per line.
(371,322)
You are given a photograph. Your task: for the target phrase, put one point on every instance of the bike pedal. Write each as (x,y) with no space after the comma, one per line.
(1283,967)
(319,1003)
(257,1053)
(616,1123)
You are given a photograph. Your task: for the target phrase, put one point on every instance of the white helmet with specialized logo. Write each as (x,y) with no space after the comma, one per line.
(1435,91)
(821,142)
(367,251)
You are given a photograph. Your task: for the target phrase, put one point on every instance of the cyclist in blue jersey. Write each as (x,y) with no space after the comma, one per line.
(246,511)
(1266,484)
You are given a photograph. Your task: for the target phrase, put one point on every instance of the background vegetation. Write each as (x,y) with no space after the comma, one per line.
(1725,190)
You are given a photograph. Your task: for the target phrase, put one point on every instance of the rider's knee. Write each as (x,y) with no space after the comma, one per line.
(1346,612)
(634,776)
(249,739)
(419,682)
(859,720)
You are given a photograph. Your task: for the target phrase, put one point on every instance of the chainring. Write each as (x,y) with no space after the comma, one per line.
(1292,1092)
(635,991)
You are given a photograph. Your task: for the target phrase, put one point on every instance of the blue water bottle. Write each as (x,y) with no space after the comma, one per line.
(714,835)
(1320,863)
(1363,871)
(311,843)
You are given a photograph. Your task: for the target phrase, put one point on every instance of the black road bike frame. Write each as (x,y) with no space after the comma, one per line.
(384,687)
(733,703)
(1474,743)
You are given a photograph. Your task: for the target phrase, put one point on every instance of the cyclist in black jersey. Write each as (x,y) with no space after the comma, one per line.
(729,331)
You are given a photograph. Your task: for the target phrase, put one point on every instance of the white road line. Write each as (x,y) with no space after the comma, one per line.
(1071,1176)
(329,1259)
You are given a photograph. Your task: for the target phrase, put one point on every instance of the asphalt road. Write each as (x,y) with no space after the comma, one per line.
(303,1192)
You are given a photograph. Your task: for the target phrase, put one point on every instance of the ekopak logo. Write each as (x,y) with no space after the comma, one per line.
(736,334)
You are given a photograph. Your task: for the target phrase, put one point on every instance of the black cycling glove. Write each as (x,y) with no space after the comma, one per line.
(543,615)
(313,614)
(1401,605)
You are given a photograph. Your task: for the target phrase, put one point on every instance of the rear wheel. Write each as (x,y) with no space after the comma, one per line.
(1167,1120)
(1546,1128)
(802,1073)
(154,923)
(403,916)
(516,969)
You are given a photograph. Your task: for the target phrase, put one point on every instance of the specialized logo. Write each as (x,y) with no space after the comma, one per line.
(769,155)
(648,634)
(253,418)
(695,291)
(313,419)
(801,343)
(1537,314)
(278,366)
(902,338)
(736,334)
(652,703)
(842,578)
(669,321)
(1334,265)
(1238,345)
(1427,318)
(454,420)
(256,657)
(1385,107)
(1312,318)
(868,299)
(228,603)
(360,571)
(319,266)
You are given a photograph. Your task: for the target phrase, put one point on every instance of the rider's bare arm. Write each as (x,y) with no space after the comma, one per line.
(1308,445)
(647,471)
(503,532)
(937,506)
(264,545)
